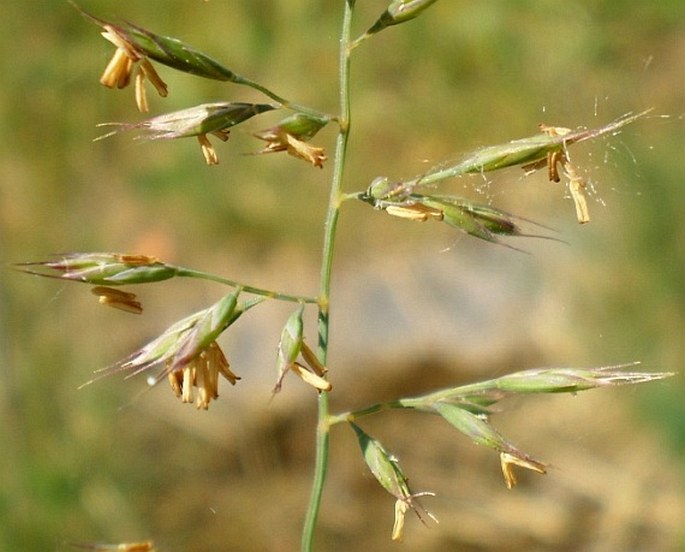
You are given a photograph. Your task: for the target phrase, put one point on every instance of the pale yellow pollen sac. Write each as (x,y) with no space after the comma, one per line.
(118,299)
(141,95)
(141,260)
(208,150)
(310,378)
(577,187)
(176,382)
(216,358)
(416,211)
(508,461)
(182,382)
(149,71)
(401,508)
(205,383)
(311,360)
(188,379)
(117,74)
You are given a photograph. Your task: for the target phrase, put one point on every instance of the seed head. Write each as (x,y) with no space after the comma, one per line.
(478,220)
(135,46)
(399,11)
(572,380)
(189,352)
(385,468)
(289,346)
(111,269)
(201,120)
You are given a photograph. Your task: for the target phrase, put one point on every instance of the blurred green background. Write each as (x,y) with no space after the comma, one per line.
(415,306)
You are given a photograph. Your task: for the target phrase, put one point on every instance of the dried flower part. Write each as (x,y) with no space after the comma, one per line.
(577,186)
(297,148)
(387,472)
(118,299)
(291,135)
(201,373)
(148,71)
(118,72)
(508,461)
(103,268)
(208,151)
(401,508)
(312,361)
(576,183)
(310,378)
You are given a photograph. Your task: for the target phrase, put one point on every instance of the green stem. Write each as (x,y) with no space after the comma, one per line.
(335,200)
(190,273)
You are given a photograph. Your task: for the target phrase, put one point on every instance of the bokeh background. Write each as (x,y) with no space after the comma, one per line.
(415,306)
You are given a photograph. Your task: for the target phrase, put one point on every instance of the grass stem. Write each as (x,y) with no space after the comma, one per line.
(335,200)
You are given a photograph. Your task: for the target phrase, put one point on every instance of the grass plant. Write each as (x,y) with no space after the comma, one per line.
(187,355)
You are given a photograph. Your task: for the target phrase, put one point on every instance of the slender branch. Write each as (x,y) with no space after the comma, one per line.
(354,414)
(335,199)
(285,103)
(190,273)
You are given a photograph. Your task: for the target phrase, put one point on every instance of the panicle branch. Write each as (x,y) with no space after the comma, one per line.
(468,407)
